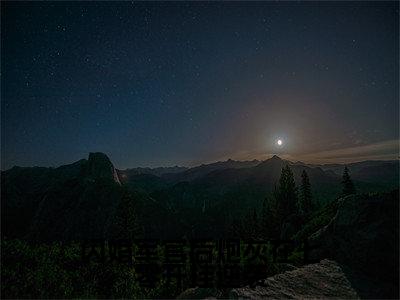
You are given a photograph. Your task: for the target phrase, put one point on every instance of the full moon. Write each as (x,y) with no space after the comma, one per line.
(279,142)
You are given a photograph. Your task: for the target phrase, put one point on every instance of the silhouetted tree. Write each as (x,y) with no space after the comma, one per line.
(305,194)
(268,224)
(251,226)
(348,186)
(125,224)
(236,228)
(255,225)
(286,195)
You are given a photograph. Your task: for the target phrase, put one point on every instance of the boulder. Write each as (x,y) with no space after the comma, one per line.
(316,281)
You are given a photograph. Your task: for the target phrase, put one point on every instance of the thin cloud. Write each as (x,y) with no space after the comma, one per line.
(381,150)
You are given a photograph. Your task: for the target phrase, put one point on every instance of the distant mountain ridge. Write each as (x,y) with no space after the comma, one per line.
(99,165)
(204,169)
(176,173)
(158,171)
(82,197)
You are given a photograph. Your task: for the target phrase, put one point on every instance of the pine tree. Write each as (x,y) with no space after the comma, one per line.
(305,194)
(286,195)
(125,224)
(255,224)
(268,219)
(236,228)
(348,186)
(250,222)
(264,217)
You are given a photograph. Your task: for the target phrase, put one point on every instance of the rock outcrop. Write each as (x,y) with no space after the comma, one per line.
(358,254)
(364,235)
(316,281)
(73,201)
(100,166)
(324,280)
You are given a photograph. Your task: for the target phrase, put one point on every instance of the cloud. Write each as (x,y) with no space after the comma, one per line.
(385,150)
(381,150)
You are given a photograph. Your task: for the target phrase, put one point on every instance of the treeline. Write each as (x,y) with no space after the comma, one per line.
(287,211)
(55,270)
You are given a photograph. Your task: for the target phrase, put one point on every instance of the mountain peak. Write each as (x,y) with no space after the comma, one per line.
(275,160)
(98,156)
(275,157)
(99,165)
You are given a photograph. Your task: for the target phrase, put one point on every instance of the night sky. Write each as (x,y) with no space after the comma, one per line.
(164,83)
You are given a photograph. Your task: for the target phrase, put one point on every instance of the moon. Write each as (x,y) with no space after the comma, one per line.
(279,142)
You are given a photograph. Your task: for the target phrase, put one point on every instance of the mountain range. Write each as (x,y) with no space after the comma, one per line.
(82,199)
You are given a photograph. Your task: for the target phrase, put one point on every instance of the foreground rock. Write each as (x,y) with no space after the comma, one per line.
(364,236)
(203,293)
(321,280)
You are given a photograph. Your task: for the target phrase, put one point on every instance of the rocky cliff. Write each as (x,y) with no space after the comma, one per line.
(100,166)
(73,201)
(364,235)
(358,253)
(316,281)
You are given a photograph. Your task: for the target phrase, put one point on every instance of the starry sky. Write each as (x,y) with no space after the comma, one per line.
(168,83)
